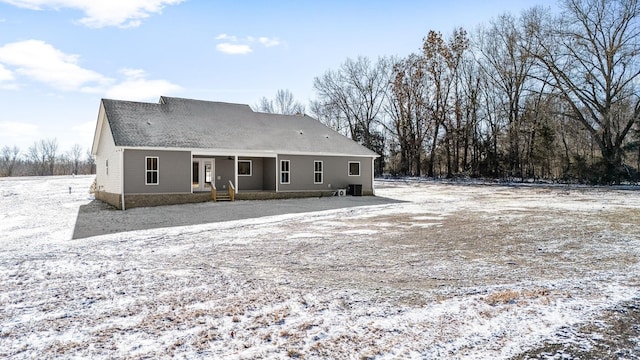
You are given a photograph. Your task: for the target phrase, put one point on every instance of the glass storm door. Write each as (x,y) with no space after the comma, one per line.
(203,174)
(208,174)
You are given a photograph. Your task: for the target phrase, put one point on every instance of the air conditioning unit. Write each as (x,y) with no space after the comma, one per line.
(342,192)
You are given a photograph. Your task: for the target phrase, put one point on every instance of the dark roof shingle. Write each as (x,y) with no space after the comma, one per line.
(197,124)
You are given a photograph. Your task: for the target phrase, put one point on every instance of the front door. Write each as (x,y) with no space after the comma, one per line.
(203,174)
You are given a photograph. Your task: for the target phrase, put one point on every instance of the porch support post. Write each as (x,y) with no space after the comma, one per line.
(373,175)
(122,178)
(235,167)
(191,172)
(277,173)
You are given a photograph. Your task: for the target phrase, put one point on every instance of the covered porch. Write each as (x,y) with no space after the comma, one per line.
(255,175)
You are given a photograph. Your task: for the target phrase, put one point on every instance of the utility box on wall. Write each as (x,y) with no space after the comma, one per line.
(355,189)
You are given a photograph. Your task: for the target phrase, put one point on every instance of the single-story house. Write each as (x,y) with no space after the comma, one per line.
(178,150)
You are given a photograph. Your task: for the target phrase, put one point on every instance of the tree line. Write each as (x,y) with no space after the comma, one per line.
(538,96)
(534,96)
(44,158)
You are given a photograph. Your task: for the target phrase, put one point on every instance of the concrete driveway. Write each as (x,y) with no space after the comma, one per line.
(97,218)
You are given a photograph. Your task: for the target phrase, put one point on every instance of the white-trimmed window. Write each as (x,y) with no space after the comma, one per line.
(245,167)
(354,168)
(151,170)
(285,171)
(317,172)
(106,166)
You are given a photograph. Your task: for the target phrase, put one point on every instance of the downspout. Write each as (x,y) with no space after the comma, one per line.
(122,177)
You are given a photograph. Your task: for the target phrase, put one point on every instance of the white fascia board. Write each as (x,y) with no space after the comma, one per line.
(206,152)
(244,153)
(98,131)
(303,153)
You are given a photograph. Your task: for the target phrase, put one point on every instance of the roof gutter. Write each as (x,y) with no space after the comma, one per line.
(244,153)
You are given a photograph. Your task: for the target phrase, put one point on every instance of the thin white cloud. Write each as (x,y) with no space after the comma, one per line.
(269,42)
(227,37)
(7,79)
(137,88)
(84,130)
(41,62)
(133,73)
(242,46)
(38,61)
(98,13)
(14,129)
(5,74)
(234,49)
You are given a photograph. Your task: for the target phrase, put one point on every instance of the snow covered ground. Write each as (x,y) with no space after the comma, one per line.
(456,271)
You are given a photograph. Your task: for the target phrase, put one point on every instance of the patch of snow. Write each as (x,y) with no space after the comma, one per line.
(470,271)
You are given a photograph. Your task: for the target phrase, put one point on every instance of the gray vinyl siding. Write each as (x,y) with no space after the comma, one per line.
(256,180)
(174,172)
(224,172)
(269,174)
(335,173)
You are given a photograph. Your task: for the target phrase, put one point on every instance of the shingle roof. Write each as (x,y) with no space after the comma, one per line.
(197,124)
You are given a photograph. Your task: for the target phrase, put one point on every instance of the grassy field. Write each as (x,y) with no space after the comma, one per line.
(452,271)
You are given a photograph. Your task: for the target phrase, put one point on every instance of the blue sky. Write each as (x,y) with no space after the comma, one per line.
(58,58)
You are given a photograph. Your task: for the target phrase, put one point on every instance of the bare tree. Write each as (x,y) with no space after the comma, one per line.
(456,124)
(90,163)
(50,147)
(442,61)
(265,105)
(9,159)
(36,155)
(507,59)
(595,69)
(284,103)
(408,110)
(42,154)
(74,155)
(357,93)
(329,115)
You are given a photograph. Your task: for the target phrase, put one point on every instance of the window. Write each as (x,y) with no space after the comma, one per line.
(151,170)
(317,172)
(106,166)
(245,167)
(284,171)
(354,168)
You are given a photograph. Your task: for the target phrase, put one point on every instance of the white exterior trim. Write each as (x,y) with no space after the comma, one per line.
(122,178)
(349,168)
(373,175)
(235,172)
(191,172)
(250,167)
(147,171)
(321,172)
(288,171)
(243,153)
(277,174)
(98,131)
